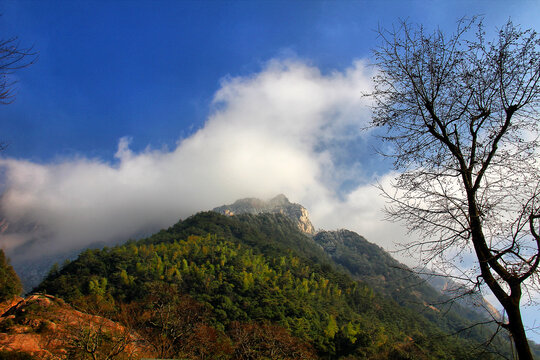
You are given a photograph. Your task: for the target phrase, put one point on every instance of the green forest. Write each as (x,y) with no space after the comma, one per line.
(244,280)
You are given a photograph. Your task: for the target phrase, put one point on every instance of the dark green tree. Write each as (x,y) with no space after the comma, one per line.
(10,284)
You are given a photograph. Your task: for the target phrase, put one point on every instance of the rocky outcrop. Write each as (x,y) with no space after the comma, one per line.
(279,204)
(45,327)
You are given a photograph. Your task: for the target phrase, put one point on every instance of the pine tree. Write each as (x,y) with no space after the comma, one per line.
(10,284)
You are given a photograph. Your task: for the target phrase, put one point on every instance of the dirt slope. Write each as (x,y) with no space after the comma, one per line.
(47,328)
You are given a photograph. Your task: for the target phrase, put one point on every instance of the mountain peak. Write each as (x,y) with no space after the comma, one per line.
(279,200)
(278,204)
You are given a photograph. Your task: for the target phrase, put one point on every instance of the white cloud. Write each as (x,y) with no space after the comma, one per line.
(269,133)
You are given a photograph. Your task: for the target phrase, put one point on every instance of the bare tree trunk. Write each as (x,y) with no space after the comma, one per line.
(516,328)
(511,306)
(509,302)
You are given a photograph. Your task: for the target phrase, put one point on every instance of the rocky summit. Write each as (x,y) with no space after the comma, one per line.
(279,204)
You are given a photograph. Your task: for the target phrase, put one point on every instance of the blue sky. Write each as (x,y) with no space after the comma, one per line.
(138,113)
(149,70)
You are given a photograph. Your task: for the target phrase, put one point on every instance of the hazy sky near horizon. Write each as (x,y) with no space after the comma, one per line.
(138,113)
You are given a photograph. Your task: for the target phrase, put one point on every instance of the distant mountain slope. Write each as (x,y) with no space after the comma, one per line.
(258,268)
(472,301)
(370,263)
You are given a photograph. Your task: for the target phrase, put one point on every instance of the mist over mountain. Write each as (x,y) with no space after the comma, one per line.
(149,140)
(257,266)
(248,145)
(35,251)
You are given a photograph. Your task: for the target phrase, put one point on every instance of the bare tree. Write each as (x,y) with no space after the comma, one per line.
(12,57)
(168,323)
(98,341)
(461,115)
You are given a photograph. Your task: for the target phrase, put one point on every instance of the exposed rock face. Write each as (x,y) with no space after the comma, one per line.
(279,204)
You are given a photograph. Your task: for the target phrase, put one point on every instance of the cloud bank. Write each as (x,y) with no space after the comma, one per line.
(277,131)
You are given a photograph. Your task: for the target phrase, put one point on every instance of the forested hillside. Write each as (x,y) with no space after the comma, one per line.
(369,263)
(226,275)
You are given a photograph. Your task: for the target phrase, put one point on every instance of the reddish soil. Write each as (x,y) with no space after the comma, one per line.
(45,327)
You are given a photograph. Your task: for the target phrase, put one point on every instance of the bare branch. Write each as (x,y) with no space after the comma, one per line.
(461,112)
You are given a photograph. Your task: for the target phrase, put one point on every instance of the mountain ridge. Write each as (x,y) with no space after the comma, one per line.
(362,259)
